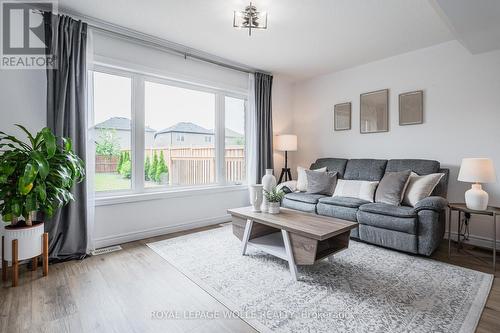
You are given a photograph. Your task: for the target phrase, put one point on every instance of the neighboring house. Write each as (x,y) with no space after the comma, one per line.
(121,127)
(192,135)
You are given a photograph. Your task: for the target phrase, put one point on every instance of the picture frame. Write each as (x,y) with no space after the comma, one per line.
(374,112)
(342,116)
(411,108)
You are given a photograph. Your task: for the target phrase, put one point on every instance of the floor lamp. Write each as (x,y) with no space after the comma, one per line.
(286,143)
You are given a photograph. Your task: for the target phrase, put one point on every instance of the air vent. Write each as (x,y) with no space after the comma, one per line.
(105,250)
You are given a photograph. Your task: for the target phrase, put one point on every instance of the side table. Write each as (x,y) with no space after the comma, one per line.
(461,208)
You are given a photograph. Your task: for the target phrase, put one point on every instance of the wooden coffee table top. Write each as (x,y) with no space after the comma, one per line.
(308,225)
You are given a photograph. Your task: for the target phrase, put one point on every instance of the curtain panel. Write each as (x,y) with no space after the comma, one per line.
(264,121)
(66,116)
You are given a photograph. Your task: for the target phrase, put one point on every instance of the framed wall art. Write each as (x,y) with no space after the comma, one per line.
(374,112)
(411,108)
(342,116)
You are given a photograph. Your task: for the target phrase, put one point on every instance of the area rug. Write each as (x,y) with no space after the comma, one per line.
(364,289)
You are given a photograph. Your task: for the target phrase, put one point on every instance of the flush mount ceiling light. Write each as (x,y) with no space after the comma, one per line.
(250,19)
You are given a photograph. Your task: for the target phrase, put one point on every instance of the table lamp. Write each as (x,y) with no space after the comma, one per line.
(286,143)
(477,171)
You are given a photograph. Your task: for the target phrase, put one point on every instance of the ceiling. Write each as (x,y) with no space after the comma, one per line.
(303,39)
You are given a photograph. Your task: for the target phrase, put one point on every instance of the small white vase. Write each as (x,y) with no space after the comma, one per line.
(268,183)
(256,196)
(274,208)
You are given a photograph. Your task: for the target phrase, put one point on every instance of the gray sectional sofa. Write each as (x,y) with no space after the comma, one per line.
(417,229)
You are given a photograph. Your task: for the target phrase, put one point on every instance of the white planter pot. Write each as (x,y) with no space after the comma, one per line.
(29,240)
(274,208)
(268,183)
(256,196)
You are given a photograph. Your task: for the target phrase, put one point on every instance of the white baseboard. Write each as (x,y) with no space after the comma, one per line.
(479,241)
(158,231)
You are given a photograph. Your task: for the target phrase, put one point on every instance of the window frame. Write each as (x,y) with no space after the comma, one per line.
(137,145)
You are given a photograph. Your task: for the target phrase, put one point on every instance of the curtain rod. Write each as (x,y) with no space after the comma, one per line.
(157,43)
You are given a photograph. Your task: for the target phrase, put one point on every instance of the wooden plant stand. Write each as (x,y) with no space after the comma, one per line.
(15,259)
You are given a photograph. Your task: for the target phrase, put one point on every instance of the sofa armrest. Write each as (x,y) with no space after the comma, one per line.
(434,203)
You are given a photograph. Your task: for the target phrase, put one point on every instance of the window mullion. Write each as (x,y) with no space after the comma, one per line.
(220,138)
(138,129)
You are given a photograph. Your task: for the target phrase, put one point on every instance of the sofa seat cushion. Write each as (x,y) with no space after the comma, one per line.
(304,197)
(343,201)
(407,225)
(390,210)
(340,212)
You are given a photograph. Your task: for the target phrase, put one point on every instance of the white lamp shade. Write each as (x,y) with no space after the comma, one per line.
(286,142)
(477,170)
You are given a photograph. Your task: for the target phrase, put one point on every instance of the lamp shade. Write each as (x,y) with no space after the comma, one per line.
(286,142)
(477,170)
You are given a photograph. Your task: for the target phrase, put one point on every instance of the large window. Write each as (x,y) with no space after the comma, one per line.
(154,133)
(112,96)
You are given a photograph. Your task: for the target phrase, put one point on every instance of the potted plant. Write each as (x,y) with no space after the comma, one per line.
(35,180)
(274,198)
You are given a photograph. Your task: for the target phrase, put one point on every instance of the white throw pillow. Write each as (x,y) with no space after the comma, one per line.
(302,178)
(360,189)
(420,187)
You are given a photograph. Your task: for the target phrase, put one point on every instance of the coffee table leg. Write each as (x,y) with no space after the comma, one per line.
(246,236)
(289,254)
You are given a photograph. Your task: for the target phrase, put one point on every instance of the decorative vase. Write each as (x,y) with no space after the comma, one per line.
(268,183)
(256,197)
(274,208)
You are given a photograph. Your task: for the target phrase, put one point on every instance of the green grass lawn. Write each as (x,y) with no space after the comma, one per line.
(110,182)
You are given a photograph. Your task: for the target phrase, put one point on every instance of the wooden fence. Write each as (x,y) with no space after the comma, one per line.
(189,165)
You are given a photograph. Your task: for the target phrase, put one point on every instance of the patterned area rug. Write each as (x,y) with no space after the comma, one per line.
(364,289)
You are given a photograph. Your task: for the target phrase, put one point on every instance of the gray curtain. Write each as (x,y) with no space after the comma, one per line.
(66,108)
(264,113)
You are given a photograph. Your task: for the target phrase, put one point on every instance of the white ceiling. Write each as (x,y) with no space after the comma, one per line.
(304,38)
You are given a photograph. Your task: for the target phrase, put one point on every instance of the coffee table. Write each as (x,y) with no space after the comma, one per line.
(297,237)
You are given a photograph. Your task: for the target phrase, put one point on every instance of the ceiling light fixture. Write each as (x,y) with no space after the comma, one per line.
(250,19)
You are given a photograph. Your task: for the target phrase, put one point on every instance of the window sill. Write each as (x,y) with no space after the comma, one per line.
(116,199)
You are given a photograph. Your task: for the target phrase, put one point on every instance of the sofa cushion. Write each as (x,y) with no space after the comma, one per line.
(331,164)
(343,201)
(340,212)
(299,205)
(302,178)
(304,197)
(361,189)
(390,210)
(420,187)
(422,167)
(402,224)
(391,188)
(365,169)
(320,182)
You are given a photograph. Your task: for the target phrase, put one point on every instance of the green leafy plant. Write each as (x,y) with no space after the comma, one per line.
(147,166)
(154,165)
(274,195)
(36,176)
(107,143)
(120,162)
(161,168)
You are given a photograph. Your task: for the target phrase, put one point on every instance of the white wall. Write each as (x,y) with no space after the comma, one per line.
(461,114)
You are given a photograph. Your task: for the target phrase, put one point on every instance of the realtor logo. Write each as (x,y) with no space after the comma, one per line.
(24,44)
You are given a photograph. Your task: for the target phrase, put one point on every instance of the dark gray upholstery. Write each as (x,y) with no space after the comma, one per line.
(418,229)
(299,205)
(403,224)
(421,167)
(365,169)
(304,197)
(430,230)
(436,204)
(346,213)
(389,210)
(331,164)
(344,201)
(389,238)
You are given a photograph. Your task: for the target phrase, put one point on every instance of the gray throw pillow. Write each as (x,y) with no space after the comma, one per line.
(321,182)
(391,188)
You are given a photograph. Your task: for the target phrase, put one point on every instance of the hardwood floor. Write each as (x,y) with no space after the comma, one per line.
(135,290)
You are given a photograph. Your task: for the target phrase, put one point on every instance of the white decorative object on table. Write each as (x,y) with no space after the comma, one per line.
(274,208)
(268,183)
(477,170)
(256,196)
